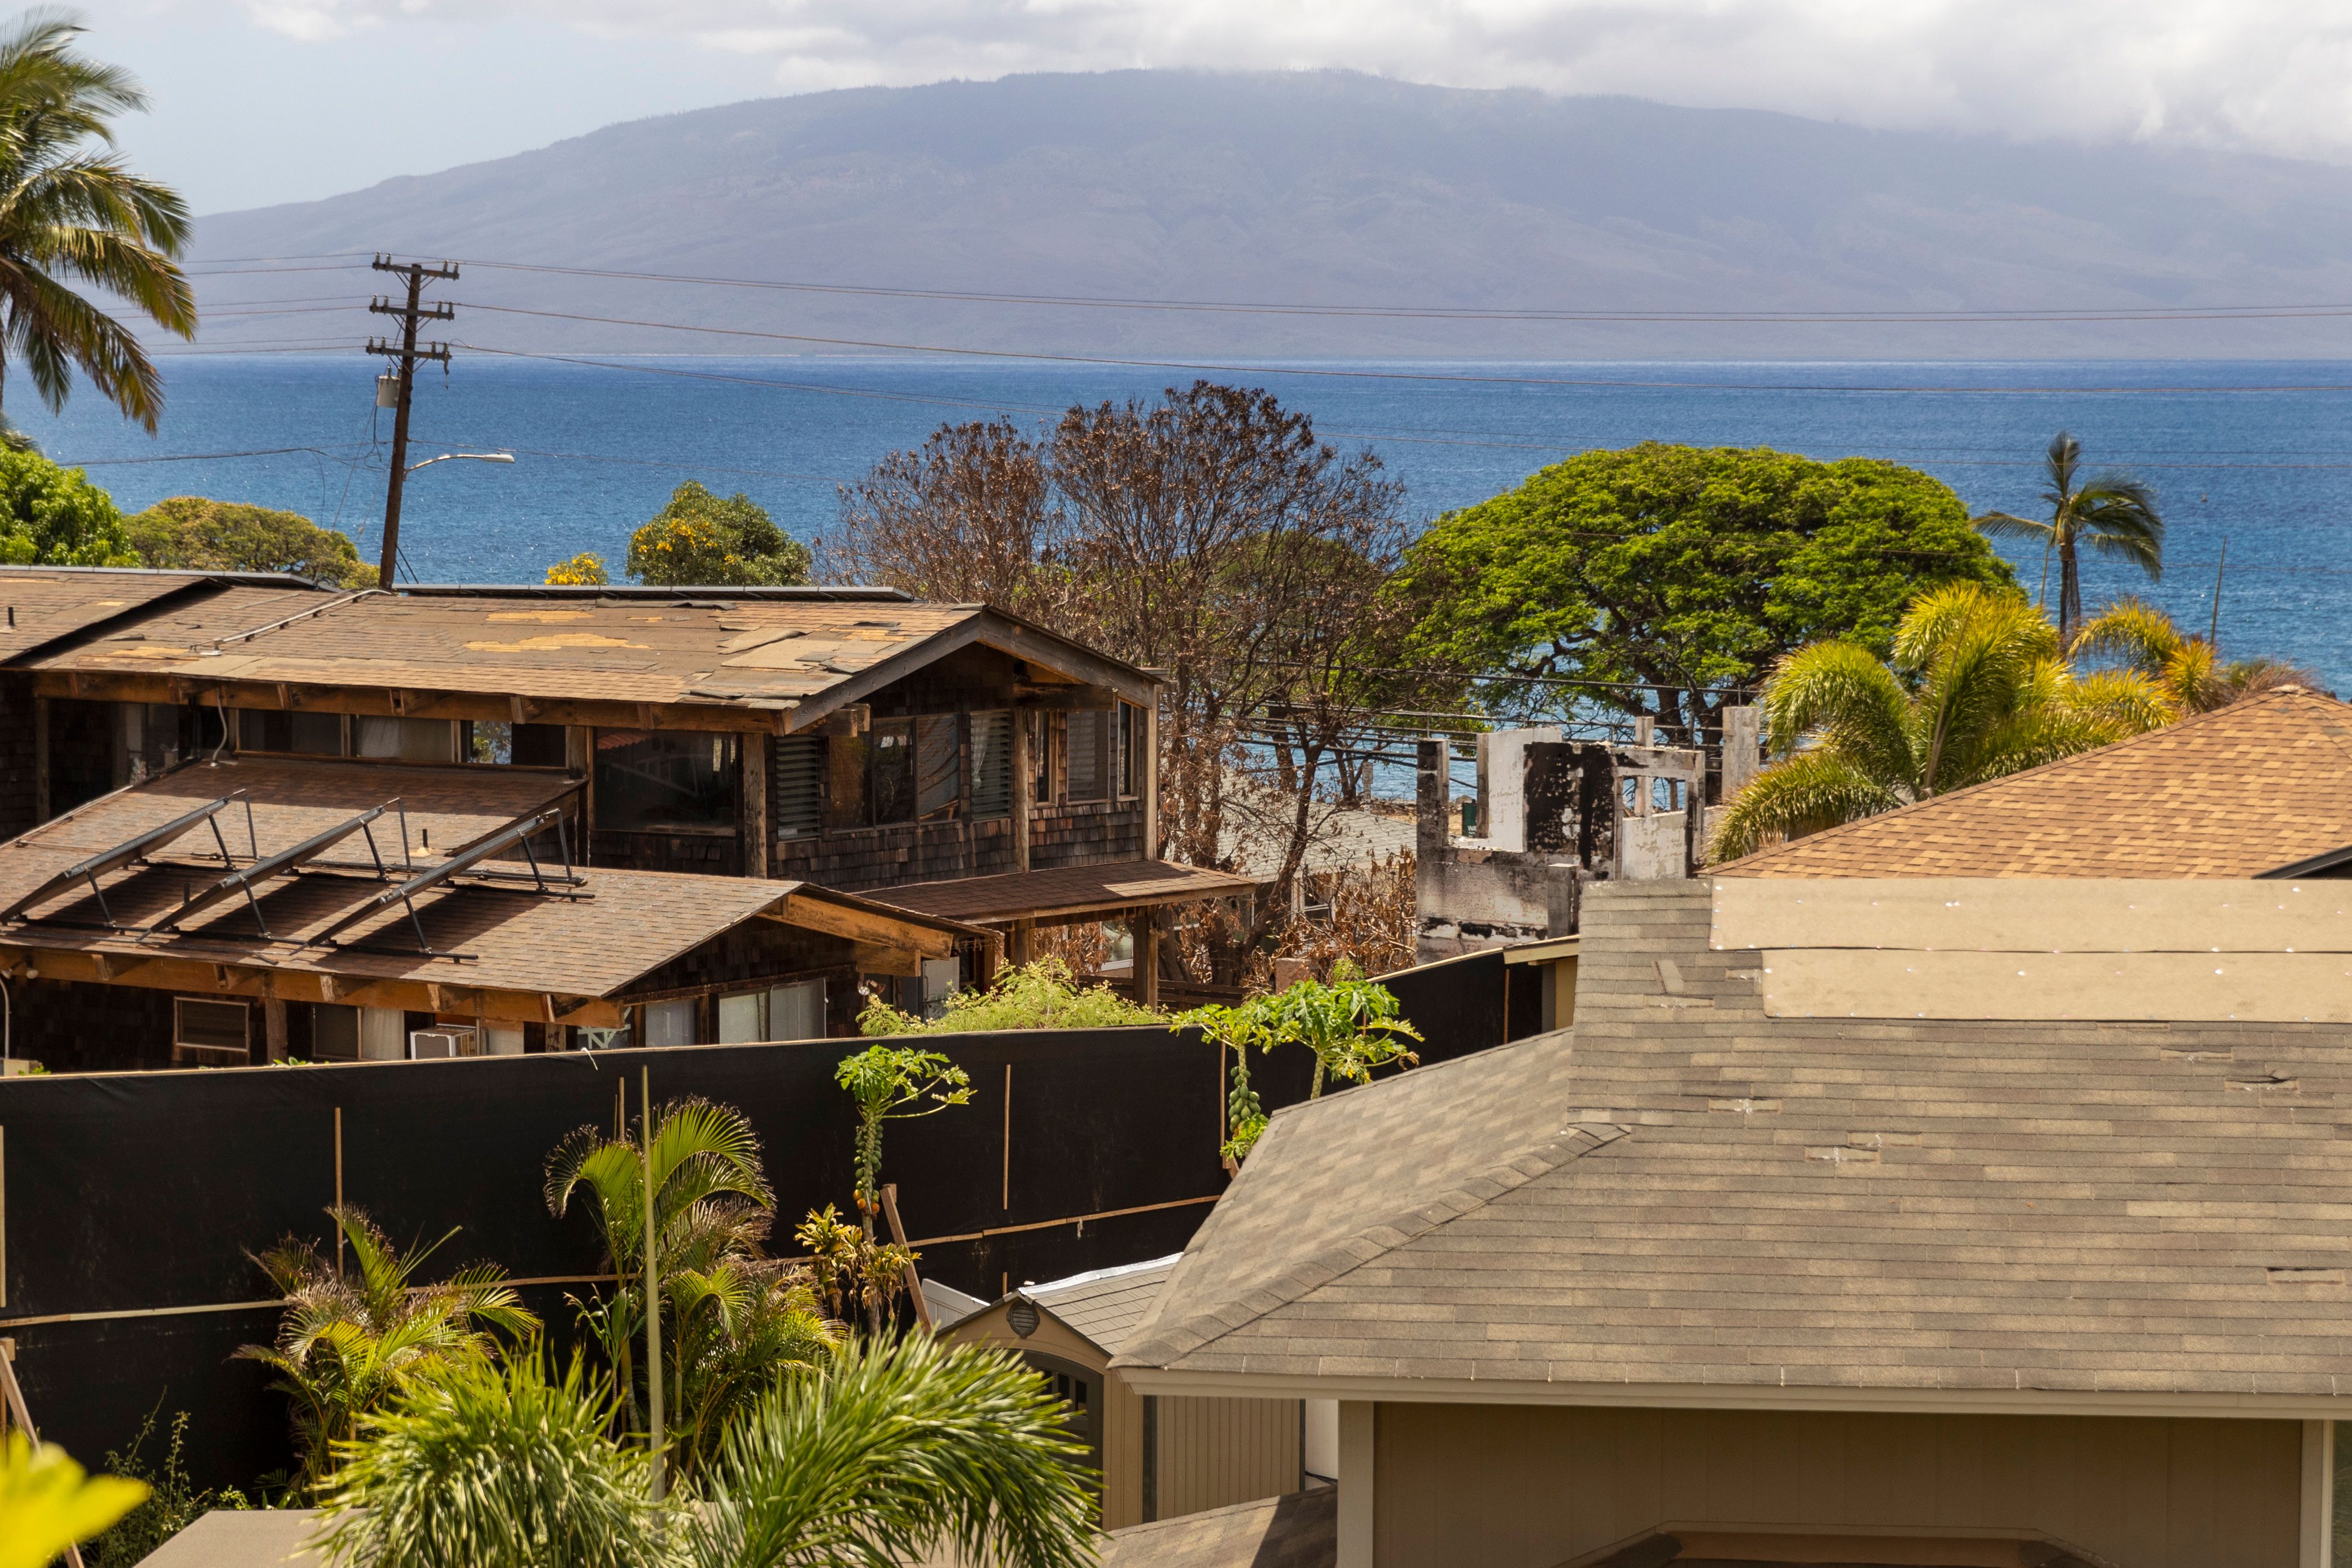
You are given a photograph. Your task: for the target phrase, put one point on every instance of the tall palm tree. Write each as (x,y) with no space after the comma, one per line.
(70,209)
(1976,690)
(352,1340)
(2113,513)
(2187,668)
(734,1322)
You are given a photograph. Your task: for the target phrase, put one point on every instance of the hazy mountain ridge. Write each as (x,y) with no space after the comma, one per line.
(1335,188)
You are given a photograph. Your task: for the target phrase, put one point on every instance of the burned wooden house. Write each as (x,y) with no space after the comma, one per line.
(962,763)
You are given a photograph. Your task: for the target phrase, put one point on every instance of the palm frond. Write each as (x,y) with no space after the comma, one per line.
(1803,794)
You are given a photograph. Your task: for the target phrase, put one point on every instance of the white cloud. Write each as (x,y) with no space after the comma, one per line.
(2274,75)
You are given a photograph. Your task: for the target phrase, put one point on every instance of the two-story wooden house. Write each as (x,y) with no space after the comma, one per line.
(947,758)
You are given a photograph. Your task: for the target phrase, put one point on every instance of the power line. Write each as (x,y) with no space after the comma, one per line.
(1330,371)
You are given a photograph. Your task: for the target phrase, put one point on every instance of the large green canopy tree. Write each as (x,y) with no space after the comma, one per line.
(1682,571)
(69,209)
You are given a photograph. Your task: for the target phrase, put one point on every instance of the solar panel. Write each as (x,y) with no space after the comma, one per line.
(276,864)
(516,832)
(121,855)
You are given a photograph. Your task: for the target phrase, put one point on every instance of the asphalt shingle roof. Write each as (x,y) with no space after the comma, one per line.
(2245,789)
(1685,1192)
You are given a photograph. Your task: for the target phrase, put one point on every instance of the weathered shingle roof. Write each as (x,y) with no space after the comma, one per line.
(42,605)
(1691,1194)
(2245,789)
(1106,1304)
(1062,890)
(1297,1531)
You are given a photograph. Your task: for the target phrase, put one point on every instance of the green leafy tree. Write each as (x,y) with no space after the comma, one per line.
(700,540)
(47,1503)
(888,1082)
(235,536)
(903,1449)
(1976,690)
(495,1468)
(1351,1024)
(353,1339)
(2111,513)
(1044,995)
(1686,570)
(51,516)
(71,210)
(733,1321)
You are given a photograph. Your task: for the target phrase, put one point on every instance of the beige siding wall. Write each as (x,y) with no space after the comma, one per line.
(1122,1413)
(1481,1486)
(1215,1452)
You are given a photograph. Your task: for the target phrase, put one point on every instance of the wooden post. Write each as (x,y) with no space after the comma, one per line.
(751,805)
(1008,1137)
(339,1191)
(653,1286)
(580,761)
(1024,940)
(1152,846)
(1146,930)
(273,1028)
(898,1235)
(1024,800)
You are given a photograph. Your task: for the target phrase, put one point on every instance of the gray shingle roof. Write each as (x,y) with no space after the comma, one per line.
(1297,1531)
(1688,1192)
(1106,1304)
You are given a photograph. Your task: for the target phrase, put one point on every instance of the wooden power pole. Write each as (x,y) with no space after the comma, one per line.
(406,354)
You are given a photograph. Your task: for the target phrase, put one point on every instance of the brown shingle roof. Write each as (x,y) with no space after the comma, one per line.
(1064,890)
(45,603)
(1298,1530)
(1693,1195)
(2245,789)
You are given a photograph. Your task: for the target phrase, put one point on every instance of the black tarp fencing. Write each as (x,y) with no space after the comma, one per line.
(139,1197)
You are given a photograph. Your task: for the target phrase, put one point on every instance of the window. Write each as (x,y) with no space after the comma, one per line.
(334,1032)
(1088,770)
(892,745)
(148,742)
(405,740)
(663,781)
(846,767)
(938,767)
(383,1035)
(501,742)
(992,765)
(211,1033)
(305,734)
(797,788)
(667,1022)
(779,1012)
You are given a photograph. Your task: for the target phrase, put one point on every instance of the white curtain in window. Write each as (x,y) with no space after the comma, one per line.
(797,1012)
(670,1023)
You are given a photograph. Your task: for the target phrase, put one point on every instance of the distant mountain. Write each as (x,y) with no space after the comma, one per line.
(1334,189)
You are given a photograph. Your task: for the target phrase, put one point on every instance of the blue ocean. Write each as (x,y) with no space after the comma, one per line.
(2256,453)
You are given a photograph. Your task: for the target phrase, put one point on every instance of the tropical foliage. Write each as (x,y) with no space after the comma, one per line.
(733,1321)
(2188,669)
(353,1339)
(583,570)
(1043,995)
(495,1466)
(701,539)
(894,1083)
(1976,690)
(48,1502)
(173,1500)
(72,211)
(51,516)
(1682,571)
(904,1447)
(234,536)
(2112,513)
(853,1274)
(1351,1024)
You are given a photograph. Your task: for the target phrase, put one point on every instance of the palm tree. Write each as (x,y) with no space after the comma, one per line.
(734,1323)
(495,1468)
(903,1445)
(350,1342)
(69,208)
(1976,690)
(2113,513)
(2188,669)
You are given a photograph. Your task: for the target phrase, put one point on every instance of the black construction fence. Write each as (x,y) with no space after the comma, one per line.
(132,1202)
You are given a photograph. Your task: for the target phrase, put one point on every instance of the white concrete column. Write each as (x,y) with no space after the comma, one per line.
(1356,1484)
(2318,1494)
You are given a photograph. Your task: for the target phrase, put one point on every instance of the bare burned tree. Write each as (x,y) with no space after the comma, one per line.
(1207,534)
(969,517)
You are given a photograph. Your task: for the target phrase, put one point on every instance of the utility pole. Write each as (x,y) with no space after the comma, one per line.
(406,354)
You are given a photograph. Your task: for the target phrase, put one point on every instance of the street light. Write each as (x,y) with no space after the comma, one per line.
(469,457)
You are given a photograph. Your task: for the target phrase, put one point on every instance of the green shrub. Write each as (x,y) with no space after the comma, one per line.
(1040,995)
